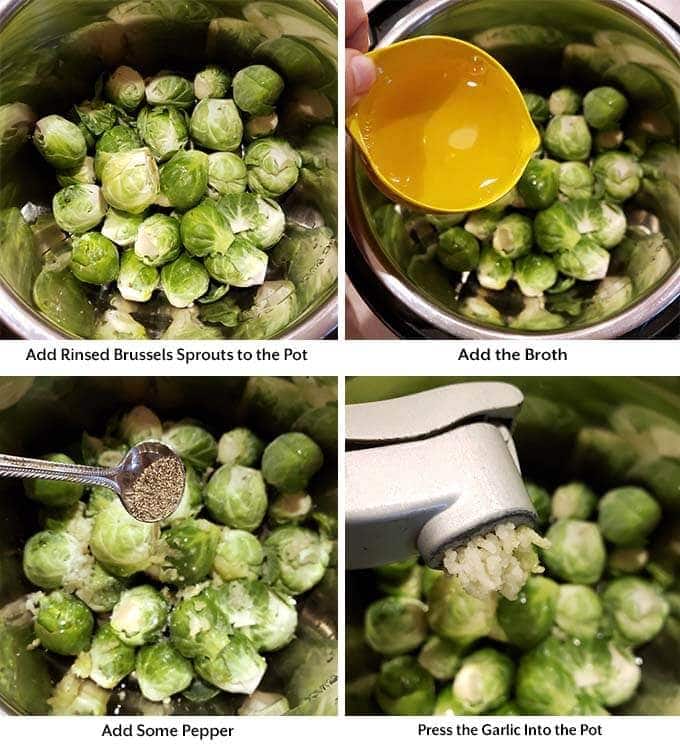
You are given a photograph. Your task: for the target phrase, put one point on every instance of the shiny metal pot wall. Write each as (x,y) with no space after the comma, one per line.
(528,37)
(52,53)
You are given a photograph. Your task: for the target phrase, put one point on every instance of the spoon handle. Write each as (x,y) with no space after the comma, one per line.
(12,466)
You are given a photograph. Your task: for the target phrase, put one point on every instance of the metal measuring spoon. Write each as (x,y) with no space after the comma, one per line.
(149,480)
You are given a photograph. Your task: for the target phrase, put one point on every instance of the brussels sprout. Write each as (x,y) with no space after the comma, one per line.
(184,179)
(125,88)
(236,496)
(140,425)
(568,137)
(63,624)
(454,614)
(494,270)
(540,499)
(238,668)
(604,107)
(60,142)
(192,498)
(257,89)
(440,657)
(617,175)
(269,226)
(404,688)
(260,126)
(292,507)
(193,444)
(121,544)
(158,240)
(483,682)
(555,229)
(527,620)
(227,173)
(564,101)
(97,117)
(197,626)
(140,616)
(216,124)
(187,549)
(273,166)
(108,661)
(457,250)
(170,90)
(622,679)
(543,685)
(233,39)
(99,589)
(535,273)
(76,696)
(264,704)
(120,138)
(84,173)
(239,555)
(164,130)
(78,207)
(537,107)
(162,671)
(290,461)
(241,265)
(54,493)
(121,227)
(577,552)
(130,180)
(475,307)
(136,280)
(267,618)
(628,515)
(184,281)
(538,184)
(574,500)
(598,221)
(240,446)
(606,140)
(576,181)
(636,609)
(395,625)
(482,223)
(295,559)
(579,611)
(275,305)
(52,557)
(94,259)
(212,82)
(205,230)
(586,261)
(627,561)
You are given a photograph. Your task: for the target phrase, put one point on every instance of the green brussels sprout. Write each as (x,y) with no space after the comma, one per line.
(457,250)
(577,552)
(275,305)
(627,561)
(555,229)
(241,265)
(586,261)
(264,704)
(98,589)
(184,179)
(167,89)
(239,446)
(236,497)
(440,657)
(238,668)
(568,137)
(216,124)
(454,614)
(564,101)
(97,117)
(233,39)
(187,552)
(227,173)
(290,461)
(74,696)
(636,608)
(527,620)
(610,296)
(158,240)
(130,180)
(483,682)
(63,624)
(617,175)
(395,625)
(108,661)
(121,544)
(54,493)
(239,555)
(125,88)
(404,688)
(299,60)
(140,425)
(121,227)
(212,82)
(292,507)
(193,444)
(535,273)
(136,281)
(60,142)
(538,185)
(184,280)
(579,611)
(260,126)
(397,572)
(164,130)
(475,307)
(612,139)
(94,259)
(205,230)
(78,207)
(192,497)
(494,270)
(537,107)
(540,499)
(84,174)
(140,616)
(257,89)
(622,677)
(269,225)
(197,626)
(482,223)
(575,180)
(598,221)
(604,107)
(295,559)
(273,166)
(628,515)
(543,685)
(574,500)
(162,671)
(51,558)
(120,138)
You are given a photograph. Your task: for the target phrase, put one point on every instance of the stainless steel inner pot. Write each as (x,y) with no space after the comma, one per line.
(529,38)
(48,414)
(51,54)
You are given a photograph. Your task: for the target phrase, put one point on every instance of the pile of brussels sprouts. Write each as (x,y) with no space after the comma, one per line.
(565,646)
(174,185)
(193,605)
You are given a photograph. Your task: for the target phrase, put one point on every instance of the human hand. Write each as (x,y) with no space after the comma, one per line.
(360,72)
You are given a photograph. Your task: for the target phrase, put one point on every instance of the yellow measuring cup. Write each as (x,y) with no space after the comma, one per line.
(444,128)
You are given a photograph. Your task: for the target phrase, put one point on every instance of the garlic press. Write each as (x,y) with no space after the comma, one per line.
(427,472)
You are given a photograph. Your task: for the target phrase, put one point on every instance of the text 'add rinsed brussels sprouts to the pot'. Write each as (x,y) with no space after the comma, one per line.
(395,625)
(63,624)
(125,88)
(273,166)
(131,181)
(140,616)
(137,281)
(79,207)
(404,688)
(236,496)
(604,107)
(60,142)
(216,124)
(94,259)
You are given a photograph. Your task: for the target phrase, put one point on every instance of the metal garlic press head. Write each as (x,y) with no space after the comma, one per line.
(427,472)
